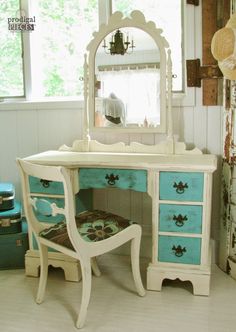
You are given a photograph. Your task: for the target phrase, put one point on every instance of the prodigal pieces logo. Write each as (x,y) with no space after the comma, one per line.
(21,23)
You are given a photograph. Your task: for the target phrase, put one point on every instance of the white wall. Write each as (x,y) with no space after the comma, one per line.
(30,129)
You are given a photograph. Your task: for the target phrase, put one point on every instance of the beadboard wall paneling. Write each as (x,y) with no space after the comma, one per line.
(200,127)
(214,130)
(26,132)
(8,146)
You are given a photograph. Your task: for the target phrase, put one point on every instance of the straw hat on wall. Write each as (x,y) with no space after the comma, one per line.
(223,48)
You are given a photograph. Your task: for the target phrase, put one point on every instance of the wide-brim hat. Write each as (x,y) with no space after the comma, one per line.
(223,48)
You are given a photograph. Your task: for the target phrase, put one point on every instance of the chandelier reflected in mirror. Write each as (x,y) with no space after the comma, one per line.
(119,44)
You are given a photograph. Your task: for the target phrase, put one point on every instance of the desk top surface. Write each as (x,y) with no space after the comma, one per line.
(189,162)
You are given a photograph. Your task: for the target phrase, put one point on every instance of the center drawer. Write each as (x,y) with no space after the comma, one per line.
(108,177)
(180,218)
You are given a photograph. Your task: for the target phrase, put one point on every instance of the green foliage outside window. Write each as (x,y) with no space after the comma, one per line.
(66,27)
(124,6)
(11,64)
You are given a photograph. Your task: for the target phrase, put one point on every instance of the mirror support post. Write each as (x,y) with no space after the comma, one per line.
(86,136)
(169,96)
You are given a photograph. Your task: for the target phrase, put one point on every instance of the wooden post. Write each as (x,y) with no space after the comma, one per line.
(214,16)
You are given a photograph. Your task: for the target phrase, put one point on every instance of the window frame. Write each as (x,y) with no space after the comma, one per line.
(3,98)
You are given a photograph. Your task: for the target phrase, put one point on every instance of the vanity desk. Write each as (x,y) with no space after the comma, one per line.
(180,189)
(179,181)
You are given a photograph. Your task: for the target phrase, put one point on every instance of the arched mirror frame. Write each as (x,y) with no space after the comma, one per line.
(136,20)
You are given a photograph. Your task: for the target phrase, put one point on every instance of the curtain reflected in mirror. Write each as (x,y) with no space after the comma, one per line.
(127,88)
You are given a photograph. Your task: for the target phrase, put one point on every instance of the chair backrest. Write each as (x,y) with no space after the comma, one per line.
(32,202)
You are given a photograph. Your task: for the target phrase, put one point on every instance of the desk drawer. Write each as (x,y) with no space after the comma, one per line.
(180,186)
(180,218)
(178,249)
(109,177)
(42,186)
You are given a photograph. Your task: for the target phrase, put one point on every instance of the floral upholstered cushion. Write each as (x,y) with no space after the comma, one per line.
(95,225)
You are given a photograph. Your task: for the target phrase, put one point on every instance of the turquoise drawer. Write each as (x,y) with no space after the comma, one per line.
(180,218)
(44,213)
(179,249)
(42,186)
(180,186)
(118,178)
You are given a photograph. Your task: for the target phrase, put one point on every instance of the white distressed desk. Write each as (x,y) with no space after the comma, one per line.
(181,190)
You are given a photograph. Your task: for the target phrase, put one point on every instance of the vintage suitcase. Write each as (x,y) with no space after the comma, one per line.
(7,195)
(12,250)
(10,220)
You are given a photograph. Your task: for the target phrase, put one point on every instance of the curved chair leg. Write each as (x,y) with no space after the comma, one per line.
(135,248)
(43,272)
(86,291)
(95,267)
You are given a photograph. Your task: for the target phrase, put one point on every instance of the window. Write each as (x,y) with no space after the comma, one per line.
(167,14)
(65,30)
(54,50)
(11,64)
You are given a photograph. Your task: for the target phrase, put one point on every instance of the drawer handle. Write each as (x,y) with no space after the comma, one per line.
(111,179)
(45,183)
(179,251)
(179,220)
(180,187)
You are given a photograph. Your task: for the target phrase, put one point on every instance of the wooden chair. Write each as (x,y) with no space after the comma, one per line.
(90,234)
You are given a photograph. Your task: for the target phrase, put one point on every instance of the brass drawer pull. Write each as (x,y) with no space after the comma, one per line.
(179,220)
(111,179)
(179,251)
(45,183)
(180,187)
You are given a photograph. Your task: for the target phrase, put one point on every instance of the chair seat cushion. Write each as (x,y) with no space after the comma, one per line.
(95,225)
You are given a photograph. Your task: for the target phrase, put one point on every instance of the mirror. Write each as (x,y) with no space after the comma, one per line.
(126,76)
(127,83)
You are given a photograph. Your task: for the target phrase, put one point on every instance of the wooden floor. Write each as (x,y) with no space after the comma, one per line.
(114,305)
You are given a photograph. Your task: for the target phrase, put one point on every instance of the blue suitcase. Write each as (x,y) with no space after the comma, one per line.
(12,250)
(10,220)
(7,195)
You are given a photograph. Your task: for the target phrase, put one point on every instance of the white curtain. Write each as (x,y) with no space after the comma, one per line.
(138,89)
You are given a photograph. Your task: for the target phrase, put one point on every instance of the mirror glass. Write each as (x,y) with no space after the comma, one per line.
(127,87)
